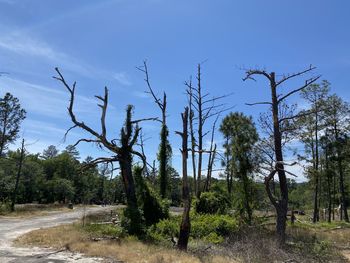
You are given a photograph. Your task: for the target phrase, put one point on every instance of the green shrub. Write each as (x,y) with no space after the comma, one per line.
(203,225)
(214,238)
(209,228)
(5,208)
(212,203)
(104,230)
(165,229)
(322,248)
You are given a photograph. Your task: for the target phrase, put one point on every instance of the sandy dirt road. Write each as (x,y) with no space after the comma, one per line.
(11,228)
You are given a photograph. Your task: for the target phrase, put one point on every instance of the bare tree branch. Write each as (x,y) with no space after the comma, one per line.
(258,103)
(272,198)
(215,98)
(77,123)
(86,140)
(104,109)
(287,77)
(307,83)
(145,119)
(157,100)
(250,73)
(300,115)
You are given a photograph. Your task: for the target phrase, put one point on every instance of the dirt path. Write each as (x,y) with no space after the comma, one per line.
(11,228)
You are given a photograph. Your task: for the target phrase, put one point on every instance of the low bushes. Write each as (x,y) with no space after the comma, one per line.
(209,228)
(104,230)
(212,203)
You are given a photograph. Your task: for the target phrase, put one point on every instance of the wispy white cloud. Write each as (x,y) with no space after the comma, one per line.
(44,100)
(23,44)
(45,129)
(42,128)
(123,78)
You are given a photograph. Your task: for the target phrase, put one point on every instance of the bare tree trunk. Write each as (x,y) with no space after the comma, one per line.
(318,183)
(315,217)
(341,180)
(273,186)
(212,153)
(210,168)
(200,133)
(314,173)
(314,150)
(342,192)
(3,137)
(334,193)
(319,194)
(329,190)
(246,197)
(185,226)
(193,140)
(19,172)
(281,203)
(229,175)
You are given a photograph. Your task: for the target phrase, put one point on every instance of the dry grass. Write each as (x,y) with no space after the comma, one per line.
(336,232)
(127,250)
(258,244)
(32,210)
(251,244)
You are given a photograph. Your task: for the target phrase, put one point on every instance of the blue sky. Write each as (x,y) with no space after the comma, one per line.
(100,43)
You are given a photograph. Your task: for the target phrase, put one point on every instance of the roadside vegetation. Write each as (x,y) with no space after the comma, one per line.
(243,243)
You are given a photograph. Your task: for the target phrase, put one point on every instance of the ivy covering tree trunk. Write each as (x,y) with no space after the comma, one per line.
(185,226)
(165,151)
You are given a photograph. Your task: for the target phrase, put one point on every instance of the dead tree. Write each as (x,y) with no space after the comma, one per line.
(212,155)
(193,138)
(185,226)
(280,203)
(122,153)
(164,147)
(201,109)
(148,166)
(19,173)
(226,161)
